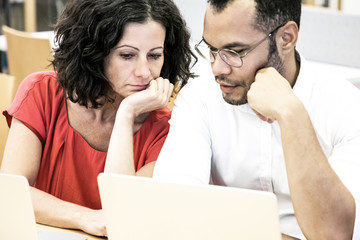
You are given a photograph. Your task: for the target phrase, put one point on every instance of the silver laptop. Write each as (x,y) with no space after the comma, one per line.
(17,220)
(139,208)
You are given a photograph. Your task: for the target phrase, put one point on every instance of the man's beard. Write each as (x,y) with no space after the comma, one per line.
(273,60)
(241,84)
(241,101)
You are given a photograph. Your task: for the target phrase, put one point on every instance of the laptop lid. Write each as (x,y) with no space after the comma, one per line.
(17,220)
(139,208)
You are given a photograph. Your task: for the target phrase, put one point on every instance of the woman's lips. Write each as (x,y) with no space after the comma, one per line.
(139,87)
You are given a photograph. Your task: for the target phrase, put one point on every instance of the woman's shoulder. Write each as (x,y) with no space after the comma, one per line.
(39,83)
(38,90)
(37,101)
(43,78)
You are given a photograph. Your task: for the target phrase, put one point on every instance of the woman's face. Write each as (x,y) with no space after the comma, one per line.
(137,58)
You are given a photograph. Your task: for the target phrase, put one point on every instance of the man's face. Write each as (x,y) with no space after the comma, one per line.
(233,28)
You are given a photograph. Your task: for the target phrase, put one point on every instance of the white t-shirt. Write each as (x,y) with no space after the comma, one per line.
(213,141)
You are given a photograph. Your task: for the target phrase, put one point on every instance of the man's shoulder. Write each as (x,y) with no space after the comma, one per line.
(202,88)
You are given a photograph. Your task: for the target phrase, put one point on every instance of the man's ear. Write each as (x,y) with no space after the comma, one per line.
(287,37)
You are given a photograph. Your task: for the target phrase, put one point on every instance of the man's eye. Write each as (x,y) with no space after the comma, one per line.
(212,49)
(240,51)
(127,56)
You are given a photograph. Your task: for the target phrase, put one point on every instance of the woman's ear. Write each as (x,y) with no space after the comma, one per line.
(287,37)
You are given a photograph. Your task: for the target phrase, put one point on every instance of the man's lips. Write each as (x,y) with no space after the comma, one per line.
(227,88)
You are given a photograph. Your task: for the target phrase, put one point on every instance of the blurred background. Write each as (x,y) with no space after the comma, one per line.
(43,12)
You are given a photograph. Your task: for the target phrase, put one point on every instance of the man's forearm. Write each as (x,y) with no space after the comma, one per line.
(324,207)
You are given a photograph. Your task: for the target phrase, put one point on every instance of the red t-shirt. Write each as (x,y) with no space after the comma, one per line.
(69,166)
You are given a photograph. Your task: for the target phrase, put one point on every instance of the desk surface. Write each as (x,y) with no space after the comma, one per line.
(48,228)
(45,34)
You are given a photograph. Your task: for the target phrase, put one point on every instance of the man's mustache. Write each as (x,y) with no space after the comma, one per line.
(222,79)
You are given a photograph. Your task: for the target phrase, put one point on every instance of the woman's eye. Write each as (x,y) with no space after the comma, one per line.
(155,56)
(127,56)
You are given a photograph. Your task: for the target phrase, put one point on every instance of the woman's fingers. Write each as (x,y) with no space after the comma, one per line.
(164,88)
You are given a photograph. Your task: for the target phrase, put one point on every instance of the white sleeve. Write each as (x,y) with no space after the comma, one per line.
(186,154)
(356,235)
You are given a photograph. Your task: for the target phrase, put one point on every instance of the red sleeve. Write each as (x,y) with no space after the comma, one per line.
(33,102)
(151,137)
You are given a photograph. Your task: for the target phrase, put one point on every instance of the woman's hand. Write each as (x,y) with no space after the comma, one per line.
(156,96)
(92,222)
(120,156)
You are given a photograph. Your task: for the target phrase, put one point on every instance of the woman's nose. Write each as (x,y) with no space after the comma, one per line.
(142,68)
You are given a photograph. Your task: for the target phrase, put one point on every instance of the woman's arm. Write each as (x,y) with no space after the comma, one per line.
(53,211)
(120,156)
(22,157)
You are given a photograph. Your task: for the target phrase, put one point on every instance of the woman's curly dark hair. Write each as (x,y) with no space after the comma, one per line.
(88,29)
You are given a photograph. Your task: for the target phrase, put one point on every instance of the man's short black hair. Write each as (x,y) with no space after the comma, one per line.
(269,13)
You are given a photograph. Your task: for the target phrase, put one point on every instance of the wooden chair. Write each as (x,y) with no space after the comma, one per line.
(7,88)
(26,54)
(174,94)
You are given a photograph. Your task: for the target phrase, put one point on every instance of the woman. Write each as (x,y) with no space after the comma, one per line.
(103,107)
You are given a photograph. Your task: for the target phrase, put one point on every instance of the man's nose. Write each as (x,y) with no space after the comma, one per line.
(219,67)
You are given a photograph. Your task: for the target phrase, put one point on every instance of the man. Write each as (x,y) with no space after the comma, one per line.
(268,123)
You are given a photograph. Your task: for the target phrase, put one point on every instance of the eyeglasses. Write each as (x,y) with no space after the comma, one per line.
(230,57)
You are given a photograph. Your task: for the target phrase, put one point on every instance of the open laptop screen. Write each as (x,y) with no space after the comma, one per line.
(142,208)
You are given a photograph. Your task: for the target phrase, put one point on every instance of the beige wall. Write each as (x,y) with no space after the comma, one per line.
(193,11)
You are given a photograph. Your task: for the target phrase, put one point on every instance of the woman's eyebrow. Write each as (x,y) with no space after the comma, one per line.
(121,46)
(125,45)
(157,48)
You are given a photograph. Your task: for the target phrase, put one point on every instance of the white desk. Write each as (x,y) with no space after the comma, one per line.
(49,228)
(45,34)
(3,46)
